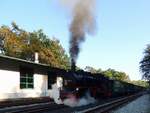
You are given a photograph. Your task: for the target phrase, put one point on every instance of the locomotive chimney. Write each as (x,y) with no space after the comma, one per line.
(73,66)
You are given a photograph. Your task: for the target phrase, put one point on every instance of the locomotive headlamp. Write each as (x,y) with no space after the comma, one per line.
(77,89)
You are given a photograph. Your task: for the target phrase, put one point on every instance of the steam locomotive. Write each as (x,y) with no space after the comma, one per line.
(77,83)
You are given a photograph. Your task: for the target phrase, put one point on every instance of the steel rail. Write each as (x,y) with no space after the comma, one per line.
(106,107)
(39,109)
(35,108)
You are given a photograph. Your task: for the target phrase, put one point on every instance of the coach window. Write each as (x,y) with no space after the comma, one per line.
(26,78)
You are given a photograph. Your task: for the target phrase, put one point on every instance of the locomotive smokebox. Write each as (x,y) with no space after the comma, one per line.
(73,66)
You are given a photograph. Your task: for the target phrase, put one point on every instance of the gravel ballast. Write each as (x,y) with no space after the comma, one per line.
(140,105)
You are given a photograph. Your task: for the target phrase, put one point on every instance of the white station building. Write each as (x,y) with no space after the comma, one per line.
(23,79)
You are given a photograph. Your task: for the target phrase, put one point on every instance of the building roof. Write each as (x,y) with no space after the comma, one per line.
(2,57)
(13,64)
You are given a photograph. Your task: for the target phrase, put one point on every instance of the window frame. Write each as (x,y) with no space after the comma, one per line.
(26,78)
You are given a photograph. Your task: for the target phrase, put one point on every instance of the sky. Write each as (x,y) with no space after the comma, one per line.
(123,30)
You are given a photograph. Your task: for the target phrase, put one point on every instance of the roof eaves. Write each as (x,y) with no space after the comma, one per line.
(22,60)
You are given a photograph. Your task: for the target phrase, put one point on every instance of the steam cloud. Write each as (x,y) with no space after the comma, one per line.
(71,101)
(55,94)
(83,22)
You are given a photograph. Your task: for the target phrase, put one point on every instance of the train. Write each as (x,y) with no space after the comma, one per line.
(77,83)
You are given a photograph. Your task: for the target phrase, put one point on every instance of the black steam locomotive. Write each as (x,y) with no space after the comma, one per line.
(77,83)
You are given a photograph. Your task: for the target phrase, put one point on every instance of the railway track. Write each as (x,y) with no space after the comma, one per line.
(24,101)
(109,106)
(35,108)
(51,107)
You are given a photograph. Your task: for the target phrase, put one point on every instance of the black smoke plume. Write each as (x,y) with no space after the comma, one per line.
(83,22)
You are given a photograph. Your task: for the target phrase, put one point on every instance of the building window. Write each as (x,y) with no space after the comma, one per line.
(26,78)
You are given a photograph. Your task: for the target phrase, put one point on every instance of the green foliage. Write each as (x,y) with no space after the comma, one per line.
(141,83)
(19,43)
(111,73)
(92,70)
(145,64)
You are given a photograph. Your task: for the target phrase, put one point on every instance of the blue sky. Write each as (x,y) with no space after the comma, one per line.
(123,30)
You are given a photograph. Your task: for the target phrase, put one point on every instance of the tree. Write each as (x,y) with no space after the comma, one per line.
(145,64)
(9,42)
(113,74)
(92,70)
(140,83)
(19,43)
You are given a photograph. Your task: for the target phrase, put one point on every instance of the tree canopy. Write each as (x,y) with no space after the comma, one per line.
(141,83)
(111,73)
(19,43)
(92,70)
(145,64)
(117,75)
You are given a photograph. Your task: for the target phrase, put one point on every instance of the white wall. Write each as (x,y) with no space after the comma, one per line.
(10,86)
(40,84)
